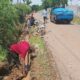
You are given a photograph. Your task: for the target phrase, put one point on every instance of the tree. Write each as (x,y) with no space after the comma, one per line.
(11,0)
(64,2)
(45,3)
(8,20)
(28,2)
(10,16)
(53,3)
(36,7)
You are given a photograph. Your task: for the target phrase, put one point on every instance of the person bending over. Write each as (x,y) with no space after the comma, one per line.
(22,49)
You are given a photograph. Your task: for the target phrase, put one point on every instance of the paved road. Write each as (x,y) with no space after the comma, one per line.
(64,43)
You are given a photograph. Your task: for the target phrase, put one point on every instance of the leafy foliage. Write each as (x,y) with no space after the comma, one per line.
(28,2)
(10,16)
(22,10)
(54,3)
(2,54)
(36,7)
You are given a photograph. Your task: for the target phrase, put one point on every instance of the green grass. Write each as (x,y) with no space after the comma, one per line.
(41,66)
(76,20)
(3,54)
(36,40)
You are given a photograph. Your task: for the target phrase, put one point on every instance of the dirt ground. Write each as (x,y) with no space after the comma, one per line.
(43,68)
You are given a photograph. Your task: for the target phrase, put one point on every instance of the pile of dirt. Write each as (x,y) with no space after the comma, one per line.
(7,73)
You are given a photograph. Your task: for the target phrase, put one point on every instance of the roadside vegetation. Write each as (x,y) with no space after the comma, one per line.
(12,16)
(54,3)
(41,68)
(76,20)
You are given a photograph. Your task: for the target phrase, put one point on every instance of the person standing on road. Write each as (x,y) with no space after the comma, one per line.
(45,16)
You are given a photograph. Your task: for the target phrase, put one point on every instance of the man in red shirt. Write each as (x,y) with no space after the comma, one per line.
(22,49)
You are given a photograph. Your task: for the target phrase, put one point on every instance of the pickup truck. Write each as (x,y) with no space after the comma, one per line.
(61,15)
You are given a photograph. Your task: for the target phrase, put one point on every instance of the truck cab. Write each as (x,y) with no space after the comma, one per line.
(60,14)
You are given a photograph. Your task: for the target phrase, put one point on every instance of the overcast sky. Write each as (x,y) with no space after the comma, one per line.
(36,1)
(33,1)
(74,2)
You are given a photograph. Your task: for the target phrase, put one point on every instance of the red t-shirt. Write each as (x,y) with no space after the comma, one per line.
(21,48)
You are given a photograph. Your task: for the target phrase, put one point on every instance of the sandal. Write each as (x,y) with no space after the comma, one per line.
(26,69)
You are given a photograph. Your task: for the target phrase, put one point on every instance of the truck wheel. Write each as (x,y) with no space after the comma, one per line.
(55,21)
(68,22)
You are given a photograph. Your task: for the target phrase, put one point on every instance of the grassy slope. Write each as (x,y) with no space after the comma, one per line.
(41,65)
(76,20)
(2,54)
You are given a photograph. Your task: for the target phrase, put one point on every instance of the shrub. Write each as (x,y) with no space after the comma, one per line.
(22,10)
(8,18)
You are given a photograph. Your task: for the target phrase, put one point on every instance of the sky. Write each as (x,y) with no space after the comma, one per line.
(73,2)
(36,2)
(33,1)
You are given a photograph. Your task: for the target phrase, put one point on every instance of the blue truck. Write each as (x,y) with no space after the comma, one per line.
(61,15)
